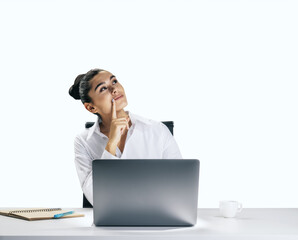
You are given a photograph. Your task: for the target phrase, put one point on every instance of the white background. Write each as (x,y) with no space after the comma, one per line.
(224,71)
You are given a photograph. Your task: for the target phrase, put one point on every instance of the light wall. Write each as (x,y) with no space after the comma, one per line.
(224,71)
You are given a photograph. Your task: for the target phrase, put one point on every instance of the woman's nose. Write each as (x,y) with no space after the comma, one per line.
(114,90)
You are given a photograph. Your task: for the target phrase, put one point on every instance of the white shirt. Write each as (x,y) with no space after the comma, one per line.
(146,139)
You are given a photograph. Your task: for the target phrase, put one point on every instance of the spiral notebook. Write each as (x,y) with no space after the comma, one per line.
(32,214)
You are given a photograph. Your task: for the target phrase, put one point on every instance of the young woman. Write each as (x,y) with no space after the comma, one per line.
(117,134)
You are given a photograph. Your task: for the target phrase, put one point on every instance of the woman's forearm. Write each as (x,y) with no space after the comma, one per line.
(111,148)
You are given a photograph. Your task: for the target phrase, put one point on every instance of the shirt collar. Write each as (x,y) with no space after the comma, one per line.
(96,127)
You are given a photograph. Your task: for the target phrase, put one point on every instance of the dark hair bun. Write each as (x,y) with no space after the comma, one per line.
(74,90)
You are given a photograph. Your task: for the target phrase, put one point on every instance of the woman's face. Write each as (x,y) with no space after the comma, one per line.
(105,87)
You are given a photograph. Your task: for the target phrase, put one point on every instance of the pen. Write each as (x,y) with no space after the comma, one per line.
(63,214)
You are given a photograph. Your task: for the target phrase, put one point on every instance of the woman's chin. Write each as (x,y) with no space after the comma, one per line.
(121,105)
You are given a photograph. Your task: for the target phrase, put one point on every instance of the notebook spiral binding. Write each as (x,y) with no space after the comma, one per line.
(35,210)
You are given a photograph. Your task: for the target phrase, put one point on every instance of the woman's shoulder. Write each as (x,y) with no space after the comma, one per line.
(86,133)
(148,123)
(143,120)
(82,135)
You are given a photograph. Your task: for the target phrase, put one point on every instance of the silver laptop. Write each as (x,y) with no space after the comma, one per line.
(151,192)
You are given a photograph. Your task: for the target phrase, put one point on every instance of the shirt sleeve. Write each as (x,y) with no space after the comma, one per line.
(108,155)
(83,162)
(170,149)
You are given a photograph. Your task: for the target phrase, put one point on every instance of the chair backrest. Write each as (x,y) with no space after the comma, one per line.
(169,124)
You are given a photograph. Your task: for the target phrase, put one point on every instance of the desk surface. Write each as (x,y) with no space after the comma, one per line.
(252,223)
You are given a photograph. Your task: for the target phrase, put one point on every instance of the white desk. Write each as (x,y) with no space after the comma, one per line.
(251,224)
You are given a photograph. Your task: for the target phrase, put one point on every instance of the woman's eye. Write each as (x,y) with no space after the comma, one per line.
(102,89)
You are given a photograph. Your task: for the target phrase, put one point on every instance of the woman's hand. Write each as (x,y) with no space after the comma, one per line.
(117,128)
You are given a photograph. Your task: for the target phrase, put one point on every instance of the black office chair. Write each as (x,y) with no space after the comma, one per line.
(169,124)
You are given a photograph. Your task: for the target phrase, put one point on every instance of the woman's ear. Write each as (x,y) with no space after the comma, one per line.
(90,107)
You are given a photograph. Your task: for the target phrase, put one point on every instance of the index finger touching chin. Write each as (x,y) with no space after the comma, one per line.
(114,114)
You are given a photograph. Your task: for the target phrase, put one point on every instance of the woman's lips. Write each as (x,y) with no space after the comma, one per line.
(118,97)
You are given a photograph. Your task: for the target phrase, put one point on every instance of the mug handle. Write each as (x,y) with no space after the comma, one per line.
(239,207)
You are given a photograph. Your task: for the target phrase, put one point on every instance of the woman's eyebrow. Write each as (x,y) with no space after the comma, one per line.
(103,83)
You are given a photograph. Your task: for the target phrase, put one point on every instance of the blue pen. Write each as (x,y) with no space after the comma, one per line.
(63,214)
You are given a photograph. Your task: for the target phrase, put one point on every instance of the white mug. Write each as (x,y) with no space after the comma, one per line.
(229,209)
